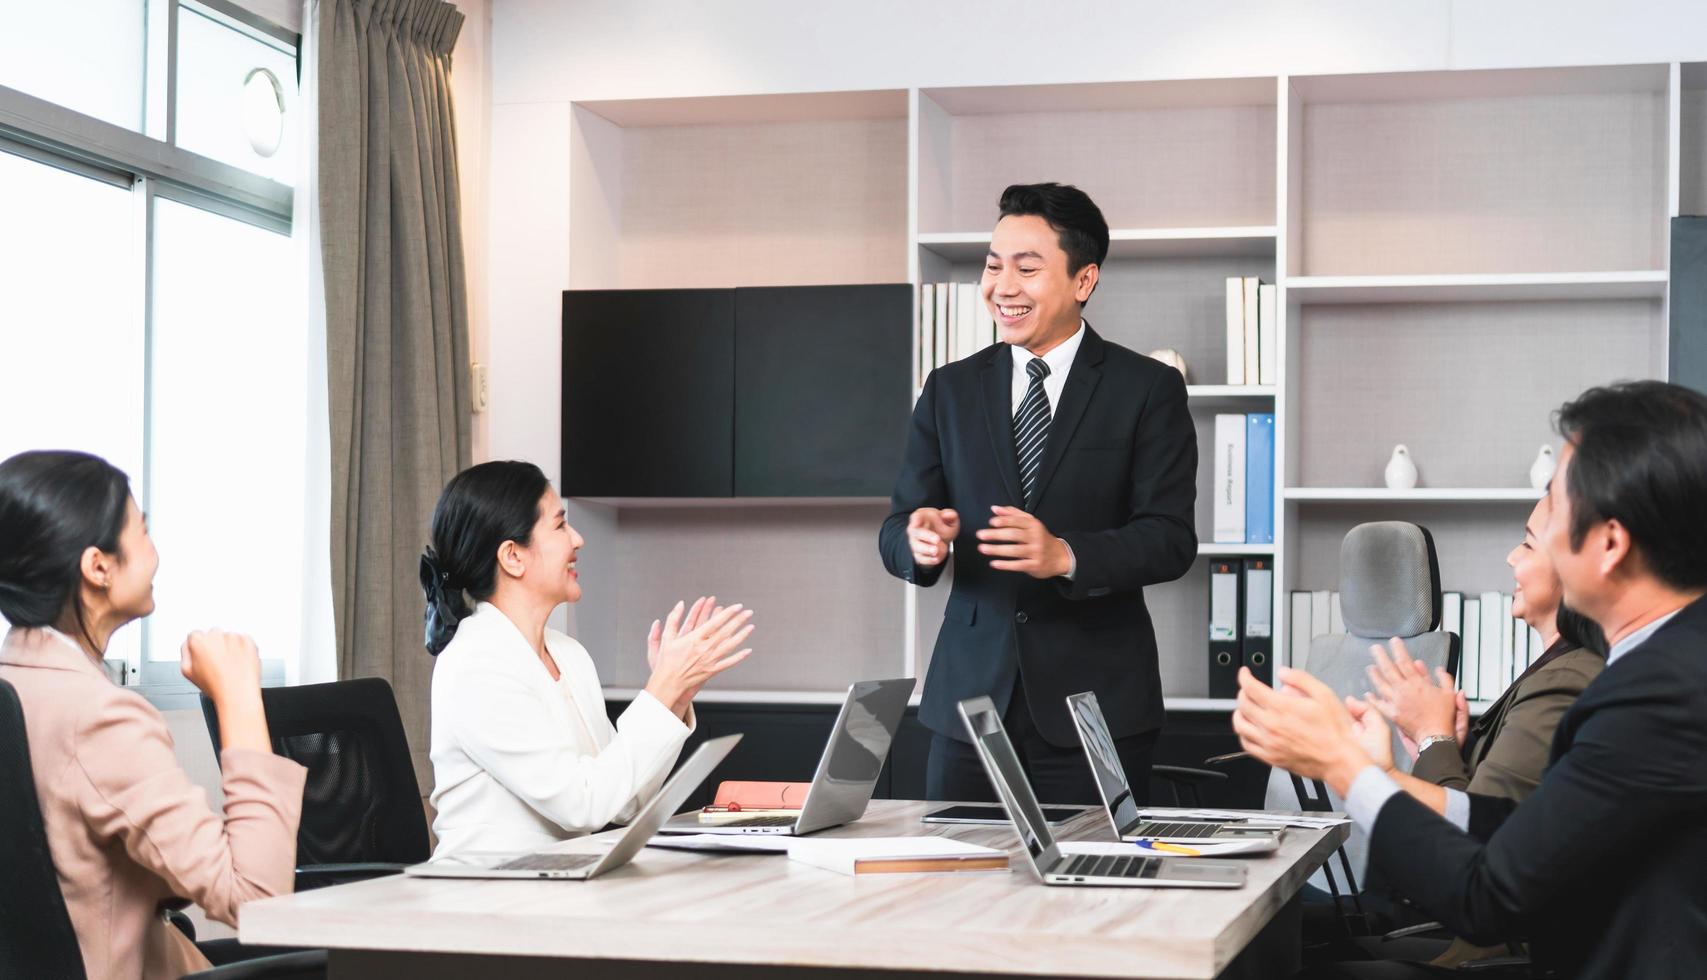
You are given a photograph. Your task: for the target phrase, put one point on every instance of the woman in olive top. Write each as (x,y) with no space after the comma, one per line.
(1504,751)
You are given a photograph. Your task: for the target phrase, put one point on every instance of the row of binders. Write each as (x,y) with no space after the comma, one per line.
(1253,337)
(1241,622)
(1495,646)
(1244,478)
(953,323)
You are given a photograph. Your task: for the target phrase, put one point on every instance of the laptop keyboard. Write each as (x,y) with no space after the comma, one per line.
(549,862)
(1176,829)
(1111,866)
(759,822)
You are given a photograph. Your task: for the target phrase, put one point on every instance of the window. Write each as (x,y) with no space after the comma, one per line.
(228,432)
(86,56)
(163,324)
(237,95)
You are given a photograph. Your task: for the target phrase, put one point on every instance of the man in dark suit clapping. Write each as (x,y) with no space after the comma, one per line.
(1601,868)
(1058,470)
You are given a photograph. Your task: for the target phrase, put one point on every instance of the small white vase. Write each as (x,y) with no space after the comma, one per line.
(1401,472)
(1172,358)
(1542,470)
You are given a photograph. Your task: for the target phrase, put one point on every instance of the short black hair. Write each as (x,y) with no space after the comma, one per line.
(480,508)
(1641,458)
(1579,631)
(1077,221)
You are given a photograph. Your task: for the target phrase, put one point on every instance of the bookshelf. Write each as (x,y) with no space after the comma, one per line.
(1456,254)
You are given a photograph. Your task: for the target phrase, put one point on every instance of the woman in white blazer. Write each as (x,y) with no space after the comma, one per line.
(523,753)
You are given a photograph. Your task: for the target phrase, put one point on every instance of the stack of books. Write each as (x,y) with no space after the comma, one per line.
(1253,343)
(1244,478)
(953,323)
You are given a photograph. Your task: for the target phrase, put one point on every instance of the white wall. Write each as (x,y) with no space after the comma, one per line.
(548,53)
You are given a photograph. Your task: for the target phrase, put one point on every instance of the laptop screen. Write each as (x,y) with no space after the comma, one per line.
(1105,761)
(1002,764)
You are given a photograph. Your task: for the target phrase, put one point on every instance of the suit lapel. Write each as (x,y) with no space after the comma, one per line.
(998,379)
(1082,378)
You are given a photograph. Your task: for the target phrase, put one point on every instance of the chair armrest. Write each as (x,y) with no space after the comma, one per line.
(1187,775)
(285,966)
(322,875)
(1419,929)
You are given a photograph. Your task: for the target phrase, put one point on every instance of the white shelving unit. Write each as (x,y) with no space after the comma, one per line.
(1457,253)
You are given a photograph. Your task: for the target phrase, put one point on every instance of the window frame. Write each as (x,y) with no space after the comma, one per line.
(154,169)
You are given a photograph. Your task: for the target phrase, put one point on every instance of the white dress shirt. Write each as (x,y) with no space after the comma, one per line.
(521,761)
(1060,361)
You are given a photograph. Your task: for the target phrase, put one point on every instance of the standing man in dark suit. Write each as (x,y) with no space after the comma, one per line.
(1059,471)
(1601,868)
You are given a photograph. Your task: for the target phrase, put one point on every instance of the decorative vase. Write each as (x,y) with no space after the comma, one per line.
(1543,468)
(1401,473)
(1172,358)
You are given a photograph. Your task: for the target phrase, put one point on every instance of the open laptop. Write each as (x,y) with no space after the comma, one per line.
(547,864)
(1117,792)
(1057,864)
(847,772)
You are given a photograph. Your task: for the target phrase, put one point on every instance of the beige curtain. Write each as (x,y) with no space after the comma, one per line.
(396,323)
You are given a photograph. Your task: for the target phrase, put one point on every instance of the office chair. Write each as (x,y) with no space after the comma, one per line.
(36,938)
(361,807)
(1389,586)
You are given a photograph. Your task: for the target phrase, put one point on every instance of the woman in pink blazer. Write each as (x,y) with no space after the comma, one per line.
(128,831)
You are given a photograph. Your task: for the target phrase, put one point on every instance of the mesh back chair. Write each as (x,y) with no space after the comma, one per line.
(361,808)
(1389,586)
(36,938)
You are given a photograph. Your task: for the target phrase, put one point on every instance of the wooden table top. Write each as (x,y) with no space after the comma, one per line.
(679,906)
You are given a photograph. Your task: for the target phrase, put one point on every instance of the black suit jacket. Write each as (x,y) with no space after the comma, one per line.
(1118,483)
(1604,867)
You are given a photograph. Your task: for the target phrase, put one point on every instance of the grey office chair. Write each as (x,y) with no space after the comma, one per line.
(1389,586)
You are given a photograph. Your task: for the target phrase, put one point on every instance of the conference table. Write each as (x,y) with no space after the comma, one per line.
(671,913)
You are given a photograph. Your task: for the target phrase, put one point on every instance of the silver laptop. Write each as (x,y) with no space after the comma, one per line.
(1117,792)
(847,772)
(1057,865)
(546,864)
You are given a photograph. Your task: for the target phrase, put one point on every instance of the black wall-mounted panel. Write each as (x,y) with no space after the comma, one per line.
(1688,349)
(648,393)
(821,389)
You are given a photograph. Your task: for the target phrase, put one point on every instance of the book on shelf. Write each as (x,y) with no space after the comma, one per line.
(1495,647)
(1253,335)
(1298,625)
(1470,656)
(1256,648)
(1225,626)
(1230,479)
(953,324)
(1268,335)
(1244,478)
(1259,478)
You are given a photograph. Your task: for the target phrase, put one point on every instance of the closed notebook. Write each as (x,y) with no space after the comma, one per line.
(894,855)
(759,795)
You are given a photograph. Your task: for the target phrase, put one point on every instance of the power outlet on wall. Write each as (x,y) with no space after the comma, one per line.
(477,386)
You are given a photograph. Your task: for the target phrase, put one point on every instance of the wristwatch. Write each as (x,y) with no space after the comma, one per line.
(1428,740)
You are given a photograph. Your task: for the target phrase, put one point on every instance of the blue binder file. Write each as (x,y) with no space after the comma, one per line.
(1259,478)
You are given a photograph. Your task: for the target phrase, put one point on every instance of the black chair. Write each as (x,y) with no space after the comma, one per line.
(36,938)
(361,808)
